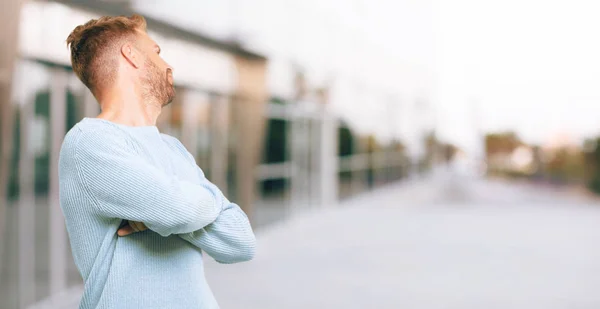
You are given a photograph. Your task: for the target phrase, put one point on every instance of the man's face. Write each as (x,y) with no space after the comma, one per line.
(157,75)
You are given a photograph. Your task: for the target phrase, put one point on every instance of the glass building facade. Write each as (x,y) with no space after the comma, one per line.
(307,157)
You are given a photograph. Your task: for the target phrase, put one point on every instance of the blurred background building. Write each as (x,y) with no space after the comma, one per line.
(269,118)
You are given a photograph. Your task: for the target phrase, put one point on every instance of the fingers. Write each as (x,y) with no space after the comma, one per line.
(142,227)
(138,226)
(126,230)
(131,227)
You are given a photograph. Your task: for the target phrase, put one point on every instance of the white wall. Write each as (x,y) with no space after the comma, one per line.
(45,27)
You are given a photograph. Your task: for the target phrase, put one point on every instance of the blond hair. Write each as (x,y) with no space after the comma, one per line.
(94,47)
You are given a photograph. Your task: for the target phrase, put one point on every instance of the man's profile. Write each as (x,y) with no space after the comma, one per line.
(139,211)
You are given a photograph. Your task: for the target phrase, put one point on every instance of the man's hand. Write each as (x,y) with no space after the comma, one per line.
(131,227)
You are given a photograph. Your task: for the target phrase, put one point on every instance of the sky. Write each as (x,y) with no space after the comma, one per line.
(530,66)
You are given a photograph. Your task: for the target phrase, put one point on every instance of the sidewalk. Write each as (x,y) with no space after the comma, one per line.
(334,258)
(576,191)
(404,247)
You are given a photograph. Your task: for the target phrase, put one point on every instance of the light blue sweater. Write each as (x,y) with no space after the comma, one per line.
(112,172)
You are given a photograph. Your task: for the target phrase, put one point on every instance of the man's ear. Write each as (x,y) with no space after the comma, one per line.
(131,55)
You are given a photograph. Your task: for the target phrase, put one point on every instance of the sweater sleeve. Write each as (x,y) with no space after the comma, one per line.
(229,239)
(124,185)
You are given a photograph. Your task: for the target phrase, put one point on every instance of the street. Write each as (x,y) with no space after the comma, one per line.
(447,242)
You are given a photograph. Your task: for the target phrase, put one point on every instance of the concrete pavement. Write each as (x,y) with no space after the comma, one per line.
(447,242)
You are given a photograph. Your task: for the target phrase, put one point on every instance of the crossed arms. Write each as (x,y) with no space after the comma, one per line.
(127,187)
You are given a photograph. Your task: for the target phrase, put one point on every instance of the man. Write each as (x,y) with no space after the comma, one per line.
(139,211)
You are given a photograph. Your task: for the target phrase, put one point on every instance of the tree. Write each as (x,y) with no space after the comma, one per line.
(592,164)
(501,143)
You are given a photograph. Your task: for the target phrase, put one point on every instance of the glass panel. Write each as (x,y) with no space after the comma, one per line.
(272,205)
(202,108)
(275,141)
(274,192)
(32,95)
(345,150)
(232,147)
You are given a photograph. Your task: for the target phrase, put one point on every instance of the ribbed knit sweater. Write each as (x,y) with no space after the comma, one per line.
(110,173)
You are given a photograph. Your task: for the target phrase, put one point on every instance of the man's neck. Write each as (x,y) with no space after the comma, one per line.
(129,110)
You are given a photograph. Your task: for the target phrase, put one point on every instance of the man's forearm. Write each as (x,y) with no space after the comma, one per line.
(229,239)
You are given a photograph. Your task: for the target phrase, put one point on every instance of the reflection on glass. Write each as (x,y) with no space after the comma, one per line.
(201,107)
(32,96)
(345,151)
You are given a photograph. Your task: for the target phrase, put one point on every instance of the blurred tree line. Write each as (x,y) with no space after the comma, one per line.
(561,164)
(592,164)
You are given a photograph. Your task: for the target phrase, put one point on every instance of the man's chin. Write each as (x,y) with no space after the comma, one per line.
(170,96)
(167,102)
(169,99)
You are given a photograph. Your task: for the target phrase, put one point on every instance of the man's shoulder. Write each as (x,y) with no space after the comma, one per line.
(172,141)
(86,135)
(175,144)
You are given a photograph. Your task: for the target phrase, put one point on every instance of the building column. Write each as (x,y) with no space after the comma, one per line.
(328,160)
(299,137)
(58,231)
(26,208)
(219,111)
(9,23)
(249,110)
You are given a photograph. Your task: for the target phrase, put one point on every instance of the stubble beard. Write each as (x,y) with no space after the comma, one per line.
(157,88)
